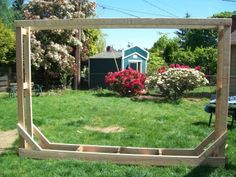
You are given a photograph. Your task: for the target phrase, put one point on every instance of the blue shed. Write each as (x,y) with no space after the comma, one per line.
(112,61)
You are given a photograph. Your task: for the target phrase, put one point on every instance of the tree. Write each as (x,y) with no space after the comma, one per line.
(207,59)
(154,63)
(53,50)
(164,48)
(193,38)
(7,44)
(18,9)
(6,13)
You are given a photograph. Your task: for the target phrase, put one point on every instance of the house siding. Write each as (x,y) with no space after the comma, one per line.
(232,90)
(98,70)
(130,58)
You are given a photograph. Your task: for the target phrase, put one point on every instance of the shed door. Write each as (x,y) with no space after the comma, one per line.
(135,66)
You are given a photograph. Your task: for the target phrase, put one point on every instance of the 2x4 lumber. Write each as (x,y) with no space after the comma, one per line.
(178,151)
(112,157)
(28,91)
(20,79)
(214,162)
(33,144)
(222,85)
(44,141)
(199,149)
(120,149)
(25,85)
(221,126)
(122,23)
(210,149)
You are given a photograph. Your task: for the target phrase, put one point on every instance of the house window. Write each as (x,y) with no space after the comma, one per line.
(135,66)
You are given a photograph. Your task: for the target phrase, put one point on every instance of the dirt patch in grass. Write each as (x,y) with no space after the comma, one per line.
(110,129)
(7,138)
(194,99)
(148,97)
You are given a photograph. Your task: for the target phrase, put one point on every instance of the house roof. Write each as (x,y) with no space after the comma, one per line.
(136,50)
(107,55)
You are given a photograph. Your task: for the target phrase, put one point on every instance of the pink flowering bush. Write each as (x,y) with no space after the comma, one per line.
(127,82)
(173,81)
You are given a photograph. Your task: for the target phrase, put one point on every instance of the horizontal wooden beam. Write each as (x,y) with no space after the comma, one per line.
(124,23)
(111,157)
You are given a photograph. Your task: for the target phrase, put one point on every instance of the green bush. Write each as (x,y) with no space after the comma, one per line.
(207,58)
(185,57)
(154,63)
(7,44)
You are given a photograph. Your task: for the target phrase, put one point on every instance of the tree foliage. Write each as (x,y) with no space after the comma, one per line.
(53,50)
(191,47)
(154,63)
(6,13)
(18,9)
(7,44)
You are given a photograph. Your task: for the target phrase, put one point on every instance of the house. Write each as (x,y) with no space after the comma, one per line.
(232,90)
(112,61)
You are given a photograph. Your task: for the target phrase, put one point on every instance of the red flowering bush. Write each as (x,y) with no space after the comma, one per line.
(127,82)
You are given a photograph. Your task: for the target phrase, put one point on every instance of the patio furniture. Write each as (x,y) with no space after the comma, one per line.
(211,107)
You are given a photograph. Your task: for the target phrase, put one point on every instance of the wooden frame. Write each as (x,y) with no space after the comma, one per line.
(210,151)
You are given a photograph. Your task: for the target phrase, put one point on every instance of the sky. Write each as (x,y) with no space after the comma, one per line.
(119,38)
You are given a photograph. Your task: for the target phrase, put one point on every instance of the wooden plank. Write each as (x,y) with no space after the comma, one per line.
(210,149)
(223,93)
(20,78)
(28,138)
(119,149)
(44,141)
(214,162)
(199,149)
(123,23)
(178,151)
(25,85)
(28,91)
(112,157)
(62,146)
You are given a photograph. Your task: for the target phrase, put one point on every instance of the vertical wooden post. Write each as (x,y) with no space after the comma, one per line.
(223,73)
(28,91)
(20,79)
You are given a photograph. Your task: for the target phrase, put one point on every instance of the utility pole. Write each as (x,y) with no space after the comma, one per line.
(77,77)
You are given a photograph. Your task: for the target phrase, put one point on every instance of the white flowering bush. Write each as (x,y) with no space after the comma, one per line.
(53,51)
(175,80)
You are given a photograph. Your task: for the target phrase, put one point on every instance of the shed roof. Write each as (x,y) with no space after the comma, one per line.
(107,55)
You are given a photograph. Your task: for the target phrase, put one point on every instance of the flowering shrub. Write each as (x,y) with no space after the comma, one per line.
(127,82)
(177,79)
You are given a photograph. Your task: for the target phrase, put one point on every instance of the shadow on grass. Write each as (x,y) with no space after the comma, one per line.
(107,94)
(230,166)
(198,95)
(200,123)
(200,171)
(155,99)
(12,150)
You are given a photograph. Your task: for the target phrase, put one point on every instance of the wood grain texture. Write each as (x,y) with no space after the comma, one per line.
(28,90)
(123,23)
(20,80)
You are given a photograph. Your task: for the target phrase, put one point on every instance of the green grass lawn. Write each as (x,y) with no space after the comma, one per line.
(62,117)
